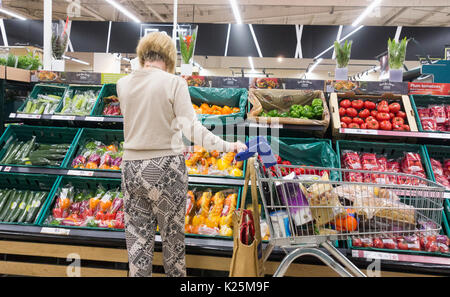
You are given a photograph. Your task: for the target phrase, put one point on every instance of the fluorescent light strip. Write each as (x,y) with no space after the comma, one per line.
(123,10)
(10,13)
(255,40)
(366,12)
(235,8)
(315,65)
(75,60)
(344,38)
(250,60)
(228,39)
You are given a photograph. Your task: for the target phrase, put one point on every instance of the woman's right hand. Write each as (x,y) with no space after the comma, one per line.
(238,147)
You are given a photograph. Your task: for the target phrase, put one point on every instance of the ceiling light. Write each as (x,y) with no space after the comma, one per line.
(280,59)
(311,69)
(250,60)
(2,10)
(366,12)
(236,13)
(123,10)
(75,60)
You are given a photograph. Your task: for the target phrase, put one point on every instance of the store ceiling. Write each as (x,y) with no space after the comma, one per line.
(307,12)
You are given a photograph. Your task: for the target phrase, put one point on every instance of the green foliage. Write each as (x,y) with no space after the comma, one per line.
(28,61)
(59,44)
(343,53)
(187,53)
(397,53)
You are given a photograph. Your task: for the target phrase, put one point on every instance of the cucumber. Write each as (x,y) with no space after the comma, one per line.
(7,197)
(29,147)
(24,207)
(11,157)
(9,151)
(28,107)
(53,146)
(17,155)
(11,206)
(15,209)
(35,206)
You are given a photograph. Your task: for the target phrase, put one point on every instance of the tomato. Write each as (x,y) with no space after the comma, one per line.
(370,118)
(396,127)
(374,113)
(406,127)
(359,121)
(431,246)
(385,125)
(398,121)
(389,243)
(299,171)
(346,120)
(343,125)
(391,115)
(401,114)
(357,104)
(402,246)
(370,105)
(383,108)
(342,111)
(356,242)
(351,112)
(345,103)
(394,107)
(373,125)
(378,243)
(383,102)
(363,126)
(383,116)
(364,113)
(279,160)
(353,126)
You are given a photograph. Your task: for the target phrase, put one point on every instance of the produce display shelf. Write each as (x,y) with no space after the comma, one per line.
(406,134)
(66,118)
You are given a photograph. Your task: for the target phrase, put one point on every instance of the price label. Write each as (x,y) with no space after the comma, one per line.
(359,131)
(80,173)
(1,167)
(447,195)
(64,118)
(7,169)
(95,119)
(374,255)
(12,115)
(57,231)
(264,125)
(28,116)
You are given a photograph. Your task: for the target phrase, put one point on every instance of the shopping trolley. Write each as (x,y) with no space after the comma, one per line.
(308,211)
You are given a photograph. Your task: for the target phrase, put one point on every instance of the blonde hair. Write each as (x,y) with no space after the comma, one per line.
(157,46)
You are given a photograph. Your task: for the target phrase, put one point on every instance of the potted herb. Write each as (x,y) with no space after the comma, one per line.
(397,53)
(187,47)
(342,58)
(59,45)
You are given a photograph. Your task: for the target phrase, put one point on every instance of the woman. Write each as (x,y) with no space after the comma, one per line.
(157,110)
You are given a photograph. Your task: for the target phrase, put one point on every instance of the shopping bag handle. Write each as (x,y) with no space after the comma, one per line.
(258,145)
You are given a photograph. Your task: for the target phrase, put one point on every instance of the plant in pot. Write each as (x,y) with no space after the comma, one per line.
(187,47)
(397,53)
(342,58)
(59,45)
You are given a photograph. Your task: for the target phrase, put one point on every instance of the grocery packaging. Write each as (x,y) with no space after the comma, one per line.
(205,108)
(20,206)
(79,101)
(97,155)
(44,99)
(111,106)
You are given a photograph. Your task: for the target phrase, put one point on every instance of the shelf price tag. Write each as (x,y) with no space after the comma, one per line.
(57,231)
(28,116)
(359,131)
(95,119)
(12,115)
(7,169)
(64,118)
(264,125)
(374,255)
(80,173)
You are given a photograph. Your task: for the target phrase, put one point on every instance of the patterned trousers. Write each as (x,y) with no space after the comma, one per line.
(155,194)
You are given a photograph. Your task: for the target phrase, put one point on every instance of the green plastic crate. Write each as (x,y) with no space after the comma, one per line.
(72,88)
(106,136)
(33,182)
(45,135)
(446,225)
(424,101)
(79,183)
(107,90)
(58,90)
(440,153)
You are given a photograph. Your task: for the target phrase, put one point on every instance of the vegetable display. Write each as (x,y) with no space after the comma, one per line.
(97,155)
(215,109)
(32,153)
(360,114)
(84,208)
(79,102)
(112,106)
(441,171)
(20,206)
(209,212)
(313,111)
(43,104)
(200,161)
(435,118)
(29,61)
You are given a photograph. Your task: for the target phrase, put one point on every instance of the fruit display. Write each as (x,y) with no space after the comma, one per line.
(313,111)
(97,155)
(43,104)
(112,106)
(435,118)
(366,114)
(33,153)
(441,171)
(210,212)
(20,206)
(410,163)
(205,108)
(83,208)
(286,171)
(200,161)
(79,102)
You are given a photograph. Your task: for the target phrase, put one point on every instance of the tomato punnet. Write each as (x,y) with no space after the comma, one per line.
(370,105)
(385,125)
(401,114)
(383,116)
(357,104)
(383,108)
(370,118)
(394,107)
(358,121)
(373,125)
(398,121)
(406,127)
(343,125)
(345,103)
(342,111)
(373,113)
(353,126)
(378,243)
(363,126)
(346,120)
(351,112)
(364,113)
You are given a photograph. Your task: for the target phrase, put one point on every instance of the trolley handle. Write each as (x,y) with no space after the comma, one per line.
(261,146)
